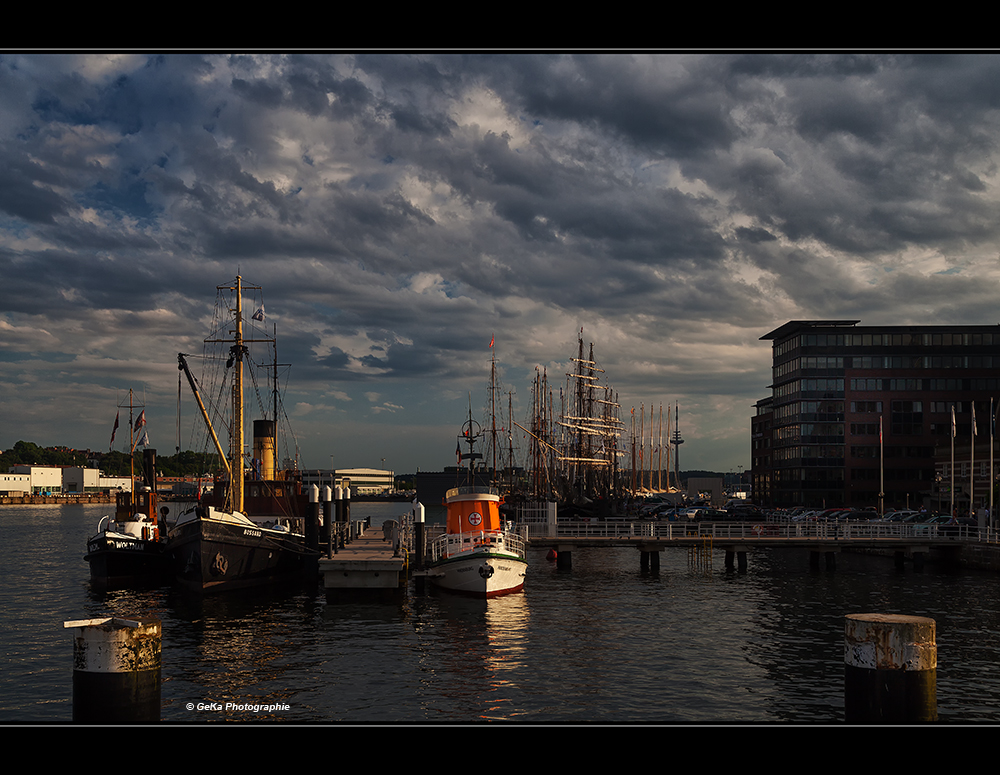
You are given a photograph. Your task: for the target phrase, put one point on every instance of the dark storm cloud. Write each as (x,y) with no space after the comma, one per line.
(401,210)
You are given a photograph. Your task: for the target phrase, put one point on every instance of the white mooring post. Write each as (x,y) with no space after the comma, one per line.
(890,669)
(116,670)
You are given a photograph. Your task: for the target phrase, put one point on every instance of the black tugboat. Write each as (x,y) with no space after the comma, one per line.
(129,549)
(222,546)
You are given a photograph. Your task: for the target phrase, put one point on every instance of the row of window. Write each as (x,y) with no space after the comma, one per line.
(948,339)
(835,409)
(833,452)
(877,385)
(886,362)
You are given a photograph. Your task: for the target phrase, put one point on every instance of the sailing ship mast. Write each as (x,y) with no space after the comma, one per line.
(233,462)
(592,428)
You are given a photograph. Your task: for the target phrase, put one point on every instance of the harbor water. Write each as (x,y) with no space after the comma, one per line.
(602,642)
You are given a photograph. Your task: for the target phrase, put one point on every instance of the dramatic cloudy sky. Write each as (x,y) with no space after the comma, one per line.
(400,210)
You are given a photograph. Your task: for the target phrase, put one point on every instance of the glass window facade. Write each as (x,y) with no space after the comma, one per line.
(858,412)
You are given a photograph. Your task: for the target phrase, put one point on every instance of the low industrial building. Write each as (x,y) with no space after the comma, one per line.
(61,480)
(362,481)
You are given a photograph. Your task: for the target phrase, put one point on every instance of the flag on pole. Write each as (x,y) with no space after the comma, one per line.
(973,419)
(953,433)
(259,314)
(144,441)
(115,429)
(141,420)
(492,340)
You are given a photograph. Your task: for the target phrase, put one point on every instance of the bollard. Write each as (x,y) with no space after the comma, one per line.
(326,497)
(312,518)
(890,669)
(116,670)
(419,535)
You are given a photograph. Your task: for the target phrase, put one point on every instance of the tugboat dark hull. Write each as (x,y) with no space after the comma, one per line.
(120,562)
(207,555)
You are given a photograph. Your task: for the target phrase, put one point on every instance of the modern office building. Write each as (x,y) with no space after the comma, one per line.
(858,415)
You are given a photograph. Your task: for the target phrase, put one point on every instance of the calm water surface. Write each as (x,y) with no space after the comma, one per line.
(602,642)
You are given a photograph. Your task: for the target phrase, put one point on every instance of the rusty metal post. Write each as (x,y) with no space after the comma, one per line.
(890,669)
(116,670)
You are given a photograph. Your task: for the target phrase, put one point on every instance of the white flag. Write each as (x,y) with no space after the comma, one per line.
(259,314)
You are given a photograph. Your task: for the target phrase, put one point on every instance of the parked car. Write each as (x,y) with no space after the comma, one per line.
(711,515)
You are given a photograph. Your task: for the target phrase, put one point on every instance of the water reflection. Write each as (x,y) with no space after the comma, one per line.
(601,642)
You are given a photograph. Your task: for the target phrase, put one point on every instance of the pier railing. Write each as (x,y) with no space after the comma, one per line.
(840,531)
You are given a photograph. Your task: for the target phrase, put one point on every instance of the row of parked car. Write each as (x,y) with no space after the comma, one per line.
(750,513)
(673,513)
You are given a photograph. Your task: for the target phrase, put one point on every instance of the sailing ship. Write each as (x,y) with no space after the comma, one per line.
(480,554)
(588,454)
(129,549)
(219,545)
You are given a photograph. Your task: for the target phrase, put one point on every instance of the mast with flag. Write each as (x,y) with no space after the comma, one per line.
(972,463)
(881,472)
(953,431)
(993,422)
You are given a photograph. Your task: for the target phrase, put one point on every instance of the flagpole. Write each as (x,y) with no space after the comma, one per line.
(992,423)
(881,470)
(952,512)
(972,462)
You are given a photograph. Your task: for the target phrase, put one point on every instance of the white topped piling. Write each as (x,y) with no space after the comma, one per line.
(890,668)
(116,670)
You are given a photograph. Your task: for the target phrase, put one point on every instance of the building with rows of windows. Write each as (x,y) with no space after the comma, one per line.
(858,412)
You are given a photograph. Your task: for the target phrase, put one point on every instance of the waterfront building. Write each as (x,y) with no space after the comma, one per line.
(858,415)
(362,481)
(63,480)
(15,484)
(45,480)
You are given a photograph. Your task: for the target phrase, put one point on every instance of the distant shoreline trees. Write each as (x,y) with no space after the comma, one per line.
(114,463)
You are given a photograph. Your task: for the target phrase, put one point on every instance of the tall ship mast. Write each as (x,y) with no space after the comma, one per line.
(592,430)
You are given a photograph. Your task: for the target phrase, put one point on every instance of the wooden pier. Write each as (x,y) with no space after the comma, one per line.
(371,563)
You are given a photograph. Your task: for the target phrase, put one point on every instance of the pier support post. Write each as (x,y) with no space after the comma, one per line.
(312,518)
(564,558)
(326,497)
(736,556)
(649,560)
(419,546)
(116,670)
(890,669)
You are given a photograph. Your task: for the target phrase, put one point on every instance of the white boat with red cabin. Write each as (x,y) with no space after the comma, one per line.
(479,554)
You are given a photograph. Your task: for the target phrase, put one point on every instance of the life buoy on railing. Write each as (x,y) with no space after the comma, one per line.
(758,530)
